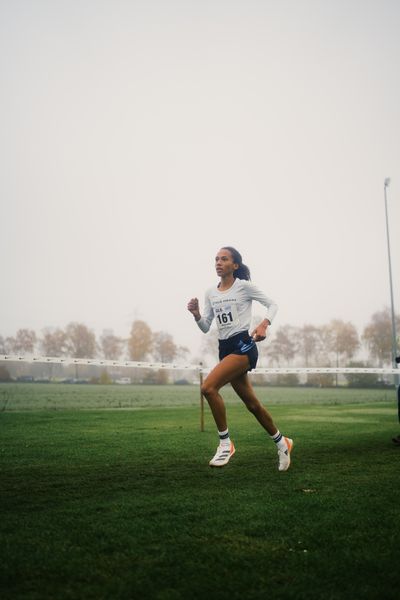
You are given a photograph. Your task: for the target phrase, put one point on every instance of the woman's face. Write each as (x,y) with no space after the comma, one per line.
(224,264)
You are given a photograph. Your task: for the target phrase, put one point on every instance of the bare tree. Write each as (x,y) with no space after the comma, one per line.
(308,342)
(81,341)
(140,341)
(164,347)
(111,345)
(182,353)
(323,346)
(10,345)
(284,345)
(377,336)
(23,342)
(54,342)
(344,341)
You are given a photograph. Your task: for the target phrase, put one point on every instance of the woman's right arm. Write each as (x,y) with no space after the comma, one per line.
(193,307)
(204,322)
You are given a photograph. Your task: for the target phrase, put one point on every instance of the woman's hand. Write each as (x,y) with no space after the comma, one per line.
(193,307)
(260,332)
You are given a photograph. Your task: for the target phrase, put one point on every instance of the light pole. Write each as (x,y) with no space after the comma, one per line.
(394,338)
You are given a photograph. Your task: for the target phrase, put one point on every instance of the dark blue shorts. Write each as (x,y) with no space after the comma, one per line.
(241,343)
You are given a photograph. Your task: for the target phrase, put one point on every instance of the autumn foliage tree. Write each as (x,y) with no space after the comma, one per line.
(140,342)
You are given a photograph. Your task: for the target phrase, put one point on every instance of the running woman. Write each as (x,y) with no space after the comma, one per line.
(229,303)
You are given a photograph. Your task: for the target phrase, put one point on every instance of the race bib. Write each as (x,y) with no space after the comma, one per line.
(226,316)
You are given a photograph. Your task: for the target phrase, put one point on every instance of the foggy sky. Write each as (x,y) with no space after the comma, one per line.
(140,137)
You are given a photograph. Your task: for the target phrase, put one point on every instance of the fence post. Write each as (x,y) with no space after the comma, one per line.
(201,399)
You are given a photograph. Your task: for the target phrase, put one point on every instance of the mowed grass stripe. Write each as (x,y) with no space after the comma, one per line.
(122,504)
(51,396)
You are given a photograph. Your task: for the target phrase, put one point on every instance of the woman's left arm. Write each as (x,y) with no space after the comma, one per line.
(260,332)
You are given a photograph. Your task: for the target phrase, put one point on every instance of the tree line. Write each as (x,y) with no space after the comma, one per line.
(333,344)
(78,341)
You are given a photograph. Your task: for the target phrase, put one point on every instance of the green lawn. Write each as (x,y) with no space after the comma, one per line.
(54,396)
(104,504)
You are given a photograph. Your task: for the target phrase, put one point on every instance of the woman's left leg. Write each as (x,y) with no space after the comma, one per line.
(244,390)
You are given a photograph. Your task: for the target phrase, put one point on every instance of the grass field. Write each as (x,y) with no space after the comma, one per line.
(48,396)
(103,504)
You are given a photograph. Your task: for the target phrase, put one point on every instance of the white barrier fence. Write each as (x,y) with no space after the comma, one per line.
(200,369)
(16,358)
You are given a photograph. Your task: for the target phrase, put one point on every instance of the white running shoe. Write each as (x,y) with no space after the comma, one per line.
(222,455)
(284,455)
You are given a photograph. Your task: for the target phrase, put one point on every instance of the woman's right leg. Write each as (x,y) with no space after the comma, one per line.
(230,367)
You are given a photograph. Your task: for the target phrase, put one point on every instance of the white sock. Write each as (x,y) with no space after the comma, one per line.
(279,440)
(224,438)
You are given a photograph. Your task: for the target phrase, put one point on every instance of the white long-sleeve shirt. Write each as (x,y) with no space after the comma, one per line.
(232,308)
